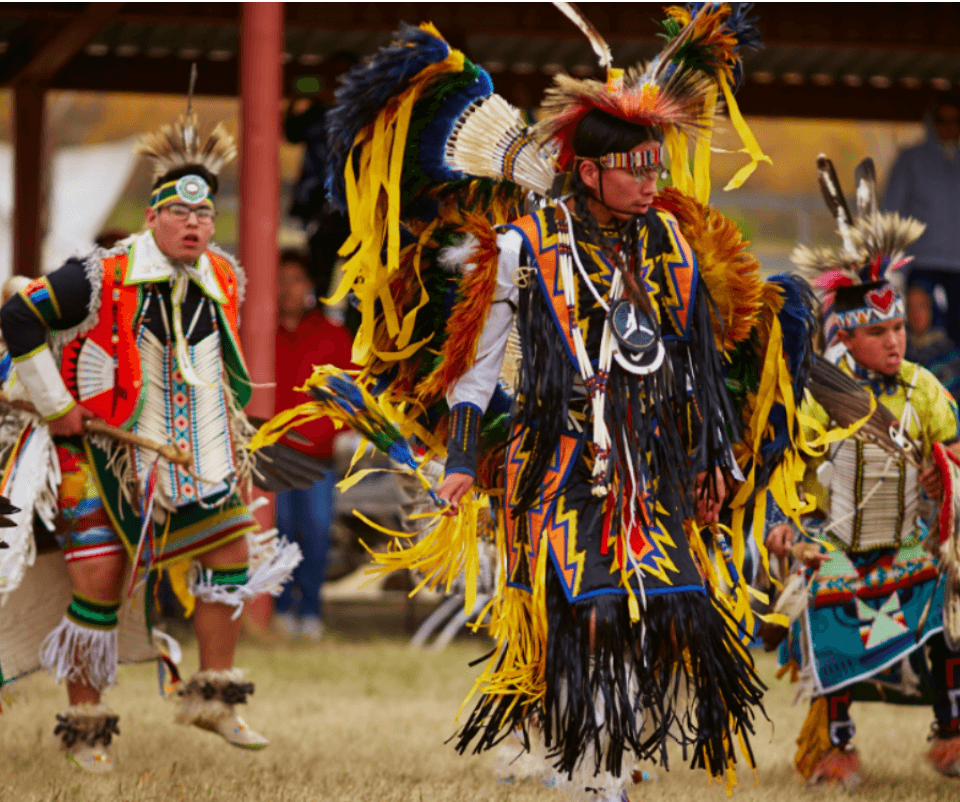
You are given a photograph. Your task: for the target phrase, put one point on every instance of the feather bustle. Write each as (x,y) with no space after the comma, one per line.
(466,320)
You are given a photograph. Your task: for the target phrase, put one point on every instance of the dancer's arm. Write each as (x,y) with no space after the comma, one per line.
(469,397)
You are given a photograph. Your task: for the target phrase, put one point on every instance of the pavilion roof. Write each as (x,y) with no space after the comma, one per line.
(881,61)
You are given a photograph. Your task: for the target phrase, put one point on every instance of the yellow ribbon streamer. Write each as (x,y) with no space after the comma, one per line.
(750,145)
(676,144)
(701,157)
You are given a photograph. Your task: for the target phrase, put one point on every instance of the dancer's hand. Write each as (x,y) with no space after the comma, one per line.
(708,502)
(780,542)
(780,539)
(72,423)
(931,483)
(453,488)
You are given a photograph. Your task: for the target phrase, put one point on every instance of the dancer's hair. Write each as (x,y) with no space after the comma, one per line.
(597,134)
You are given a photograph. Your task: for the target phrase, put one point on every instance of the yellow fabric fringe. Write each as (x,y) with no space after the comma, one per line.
(814,739)
(373,247)
(447,548)
(518,623)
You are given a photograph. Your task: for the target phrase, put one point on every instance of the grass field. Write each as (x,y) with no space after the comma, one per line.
(364,717)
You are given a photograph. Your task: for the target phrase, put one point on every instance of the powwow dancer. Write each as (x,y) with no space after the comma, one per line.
(612,631)
(144,336)
(870,602)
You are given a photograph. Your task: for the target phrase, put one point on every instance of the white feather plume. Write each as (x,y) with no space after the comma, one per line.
(459,257)
(597,42)
(490,140)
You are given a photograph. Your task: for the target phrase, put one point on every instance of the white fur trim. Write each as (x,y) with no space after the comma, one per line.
(238,271)
(84,717)
(273,570)
(602,784)
(76,653)
(194,709)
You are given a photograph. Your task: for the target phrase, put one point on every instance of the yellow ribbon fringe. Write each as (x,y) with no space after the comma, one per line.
(374,211)
(750,145)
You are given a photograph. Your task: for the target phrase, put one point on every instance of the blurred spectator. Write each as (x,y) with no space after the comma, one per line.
(305,337)
(925,184)
(305,122)
(110,237)
(930,345)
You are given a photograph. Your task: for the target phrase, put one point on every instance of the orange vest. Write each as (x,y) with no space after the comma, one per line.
(101,367)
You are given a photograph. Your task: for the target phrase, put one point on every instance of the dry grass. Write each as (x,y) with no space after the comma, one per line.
(367,720)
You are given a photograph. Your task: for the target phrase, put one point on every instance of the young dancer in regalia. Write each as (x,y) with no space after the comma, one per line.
(605,465)
(144,337)
(871,599)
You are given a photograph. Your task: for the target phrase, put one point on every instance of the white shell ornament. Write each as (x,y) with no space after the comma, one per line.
(639,348)
(192,189)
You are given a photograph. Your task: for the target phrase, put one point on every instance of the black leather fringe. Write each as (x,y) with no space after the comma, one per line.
(655,421)
(681,675)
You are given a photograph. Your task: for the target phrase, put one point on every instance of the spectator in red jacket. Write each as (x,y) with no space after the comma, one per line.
(305,337)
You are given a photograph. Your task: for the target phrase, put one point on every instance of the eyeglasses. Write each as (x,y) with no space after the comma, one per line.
(181,212)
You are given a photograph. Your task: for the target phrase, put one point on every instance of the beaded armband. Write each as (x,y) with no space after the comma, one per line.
(462,443)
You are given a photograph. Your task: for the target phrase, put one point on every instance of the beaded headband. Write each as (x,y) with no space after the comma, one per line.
(190,189)
(631,160)
(880,304)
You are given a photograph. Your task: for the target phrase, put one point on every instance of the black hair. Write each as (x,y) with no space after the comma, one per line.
(852,297)
(597,134)
(189,169)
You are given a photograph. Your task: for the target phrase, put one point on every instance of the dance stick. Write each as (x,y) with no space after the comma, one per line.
(96,426)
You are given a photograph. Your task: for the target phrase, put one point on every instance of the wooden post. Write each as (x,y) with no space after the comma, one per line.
(261,52)
(30,176)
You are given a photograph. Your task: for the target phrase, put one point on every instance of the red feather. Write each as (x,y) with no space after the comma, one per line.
(833,280)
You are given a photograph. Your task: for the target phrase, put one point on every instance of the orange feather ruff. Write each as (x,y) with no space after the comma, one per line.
(467,318)
(731,272)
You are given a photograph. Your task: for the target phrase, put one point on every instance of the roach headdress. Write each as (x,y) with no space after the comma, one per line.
(678,92)
(854,276)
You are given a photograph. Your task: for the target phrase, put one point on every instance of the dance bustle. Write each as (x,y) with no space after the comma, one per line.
(491,141)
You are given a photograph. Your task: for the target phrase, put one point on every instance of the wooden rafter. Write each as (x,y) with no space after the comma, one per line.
(54,54)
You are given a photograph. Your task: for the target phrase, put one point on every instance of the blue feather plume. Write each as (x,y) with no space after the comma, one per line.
(798,321)
(366,89)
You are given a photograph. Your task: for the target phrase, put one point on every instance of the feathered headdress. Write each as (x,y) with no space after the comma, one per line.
(854,276)
(678,91)
(178,145)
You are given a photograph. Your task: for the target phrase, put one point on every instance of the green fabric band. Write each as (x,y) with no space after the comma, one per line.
(91,613)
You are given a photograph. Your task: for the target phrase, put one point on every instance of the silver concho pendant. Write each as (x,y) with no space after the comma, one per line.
(638,347)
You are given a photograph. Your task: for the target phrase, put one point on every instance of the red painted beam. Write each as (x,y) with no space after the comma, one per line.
(261,51)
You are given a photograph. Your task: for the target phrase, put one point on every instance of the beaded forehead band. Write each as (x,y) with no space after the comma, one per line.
(631,160)
(190,189)
(880,304)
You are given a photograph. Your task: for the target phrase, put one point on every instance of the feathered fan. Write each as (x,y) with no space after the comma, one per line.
(847,402)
